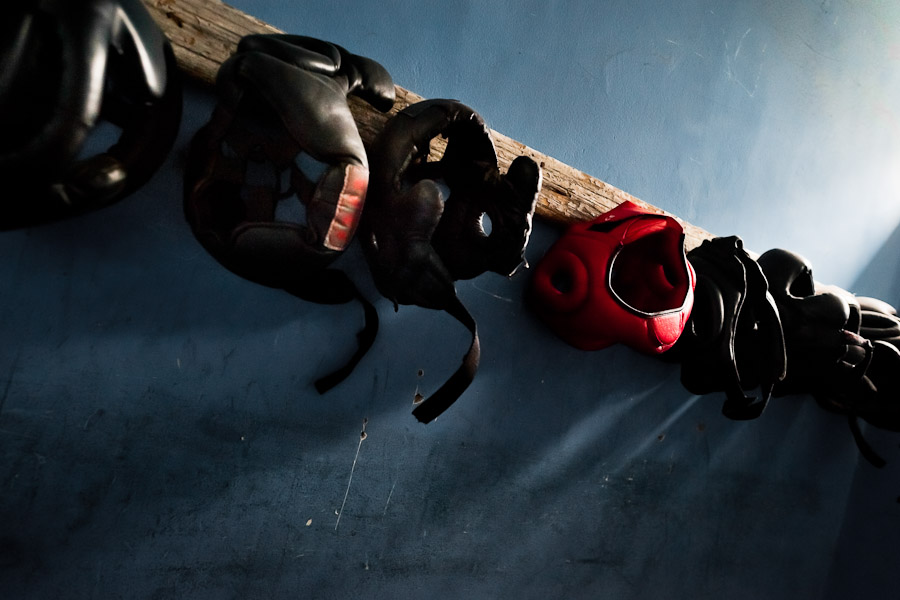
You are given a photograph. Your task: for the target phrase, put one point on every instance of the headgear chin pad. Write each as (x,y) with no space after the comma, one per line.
(621,278)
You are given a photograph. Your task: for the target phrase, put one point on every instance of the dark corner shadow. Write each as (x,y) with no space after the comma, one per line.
(865,557)
(132,475)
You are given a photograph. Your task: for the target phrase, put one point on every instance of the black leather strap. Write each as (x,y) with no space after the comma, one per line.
(453,388)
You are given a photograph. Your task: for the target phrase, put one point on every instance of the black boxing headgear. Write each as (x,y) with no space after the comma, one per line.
(65,66)
(734,340)
(283,112)
(841,349)
(419,241)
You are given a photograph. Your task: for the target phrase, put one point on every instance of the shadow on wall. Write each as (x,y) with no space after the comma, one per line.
(866,559)
(881,278)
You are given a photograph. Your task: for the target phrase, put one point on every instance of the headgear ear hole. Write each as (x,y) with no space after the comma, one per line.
(562,282)
(485,224)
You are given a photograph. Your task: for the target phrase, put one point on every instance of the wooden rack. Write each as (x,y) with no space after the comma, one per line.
(204,33)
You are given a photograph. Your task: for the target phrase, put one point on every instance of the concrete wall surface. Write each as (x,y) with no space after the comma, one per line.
(160,436)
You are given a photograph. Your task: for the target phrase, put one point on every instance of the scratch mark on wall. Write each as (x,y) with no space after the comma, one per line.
(362,437)
(491,294)
(97,413)
(731,64)
(389,499)
(741,42)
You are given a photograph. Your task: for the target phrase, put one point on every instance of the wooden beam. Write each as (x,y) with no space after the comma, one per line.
(204,33)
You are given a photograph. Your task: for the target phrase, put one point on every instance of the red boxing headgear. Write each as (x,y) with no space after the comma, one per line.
(623,277)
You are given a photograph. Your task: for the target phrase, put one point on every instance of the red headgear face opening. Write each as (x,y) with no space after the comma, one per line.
(621,278)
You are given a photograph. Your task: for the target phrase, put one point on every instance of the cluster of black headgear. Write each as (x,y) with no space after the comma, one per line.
(282,128)
(765,324)
(282,111)
(65,66)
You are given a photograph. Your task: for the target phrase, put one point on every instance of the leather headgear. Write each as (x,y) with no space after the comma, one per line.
(841,349)
(734,341)
(64,66)
(878,321)
(821,326)
(621,278)
(283,111)
(419,242)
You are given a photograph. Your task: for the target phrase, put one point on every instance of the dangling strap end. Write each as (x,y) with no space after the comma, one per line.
(744,408)
(365,337)
(453,388)
(864,448)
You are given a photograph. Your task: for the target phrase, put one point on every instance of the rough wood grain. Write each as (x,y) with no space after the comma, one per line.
(204,33)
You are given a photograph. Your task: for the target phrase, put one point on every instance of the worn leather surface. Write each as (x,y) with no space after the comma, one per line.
(419,240)
(67,67)
(282,99)
(734,342)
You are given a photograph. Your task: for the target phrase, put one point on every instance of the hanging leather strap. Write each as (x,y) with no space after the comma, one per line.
(364,340)
(453,388)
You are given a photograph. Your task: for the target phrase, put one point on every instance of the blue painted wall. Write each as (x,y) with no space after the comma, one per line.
(161,438)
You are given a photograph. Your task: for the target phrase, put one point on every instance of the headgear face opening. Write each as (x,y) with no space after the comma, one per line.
(623,277)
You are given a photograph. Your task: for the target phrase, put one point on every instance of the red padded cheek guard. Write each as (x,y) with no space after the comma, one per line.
(342,209)
(622,278)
